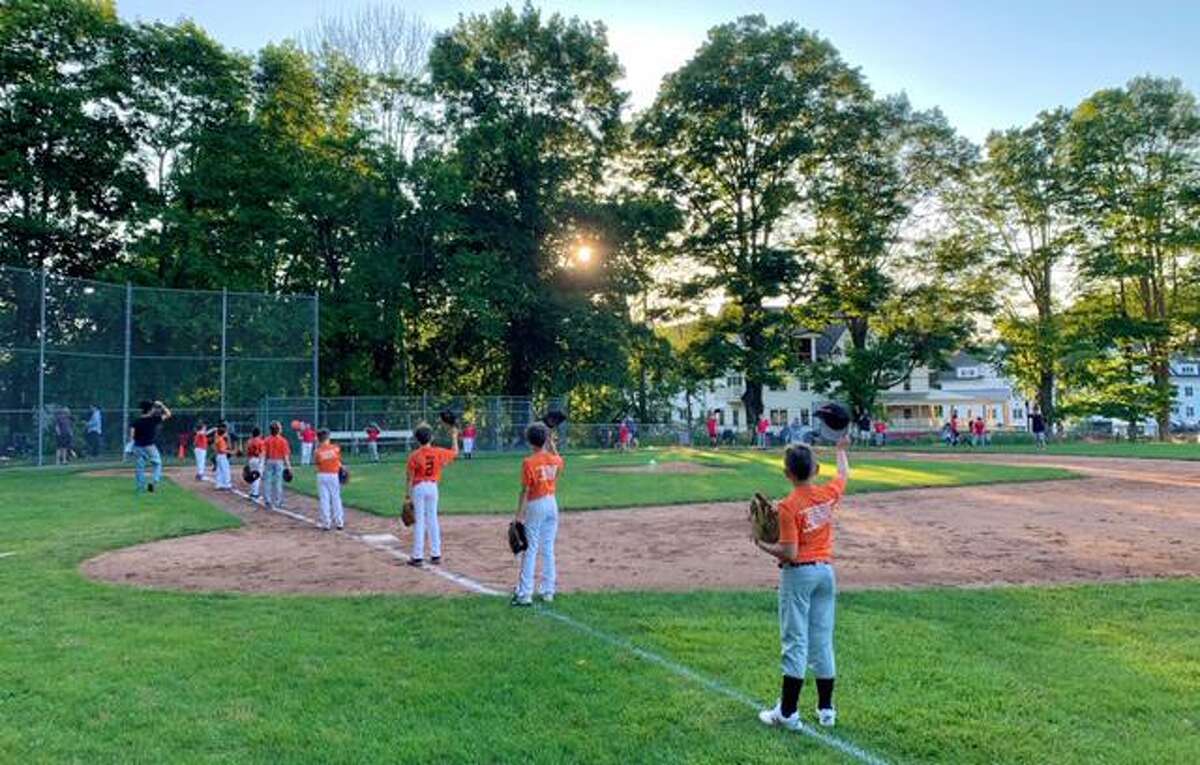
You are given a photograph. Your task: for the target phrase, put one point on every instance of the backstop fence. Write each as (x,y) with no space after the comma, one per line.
(76,356)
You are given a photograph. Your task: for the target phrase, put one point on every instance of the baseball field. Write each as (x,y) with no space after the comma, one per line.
(191,626)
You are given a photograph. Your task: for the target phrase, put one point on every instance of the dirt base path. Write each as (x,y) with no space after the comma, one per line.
(1124,519)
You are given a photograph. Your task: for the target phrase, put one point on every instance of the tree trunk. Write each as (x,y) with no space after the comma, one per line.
(1045,395)
(752,400)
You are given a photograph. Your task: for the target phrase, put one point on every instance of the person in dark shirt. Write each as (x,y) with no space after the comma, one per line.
(142,434)
(1037,423)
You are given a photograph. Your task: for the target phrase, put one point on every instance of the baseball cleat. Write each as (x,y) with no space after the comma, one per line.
(415,563)
(827,717)
(548,598)
(341,526)
(150,488)
(518,603)
(436,560)
(775,718)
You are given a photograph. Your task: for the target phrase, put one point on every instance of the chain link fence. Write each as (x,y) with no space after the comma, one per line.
(76,357)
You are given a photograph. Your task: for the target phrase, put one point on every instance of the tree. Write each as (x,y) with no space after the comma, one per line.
(889,266)
(728,140)
(530,110)
(1021,209)
(1134,156)
(68,176)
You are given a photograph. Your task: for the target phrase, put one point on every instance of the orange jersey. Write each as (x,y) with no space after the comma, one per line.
(539,473)
(328,458)
(806,519)
(277,447)
(254,447)
(426,463)
(200,441)
(221,444)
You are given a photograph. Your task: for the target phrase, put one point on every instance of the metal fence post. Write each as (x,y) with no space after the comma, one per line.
(128,349)
(41,413)
(224,324)
(316,359)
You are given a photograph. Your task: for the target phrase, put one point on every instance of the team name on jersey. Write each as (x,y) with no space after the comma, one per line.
(818,515)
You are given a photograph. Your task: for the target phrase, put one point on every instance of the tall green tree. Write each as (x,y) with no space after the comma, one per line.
(530,109)
(69,179)
(1134,156)
(729,140)
(889,267)
(1021,209)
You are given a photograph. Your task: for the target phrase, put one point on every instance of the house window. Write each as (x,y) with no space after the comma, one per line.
(1187,391)
(1175,409)
(721,417)
(734,381)
(1187,369)
(803,385)
(938,410)
(907,383)
(907,413)
(779,417)
(1191,411)
(780,388)
(804,417)
(805,348)
(736,418)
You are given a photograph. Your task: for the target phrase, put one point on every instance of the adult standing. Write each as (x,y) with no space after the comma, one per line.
(64,426)
(1037,423)
(94,431)
(711,425)
(864,428)
(143,433)
(761,430)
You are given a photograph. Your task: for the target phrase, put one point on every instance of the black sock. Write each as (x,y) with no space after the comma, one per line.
(824,693)
(789,695)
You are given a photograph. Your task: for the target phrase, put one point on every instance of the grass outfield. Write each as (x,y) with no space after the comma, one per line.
(99,673)
(612,479)
(1137,450)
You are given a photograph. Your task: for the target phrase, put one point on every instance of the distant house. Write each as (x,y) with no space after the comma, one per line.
(1185,384)
(969,388)
(793,401)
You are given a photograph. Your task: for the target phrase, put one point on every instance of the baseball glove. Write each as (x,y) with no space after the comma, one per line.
(517,541)
(764,519)
(343,476)
(554,418)
(448,417)
(408,515)
(287,475)
(250,475)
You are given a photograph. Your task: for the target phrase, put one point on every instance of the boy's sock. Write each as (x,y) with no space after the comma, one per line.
(824,693)
(789,695)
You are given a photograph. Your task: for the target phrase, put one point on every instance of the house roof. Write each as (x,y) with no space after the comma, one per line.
(829,338)
(962,359)
(990,395)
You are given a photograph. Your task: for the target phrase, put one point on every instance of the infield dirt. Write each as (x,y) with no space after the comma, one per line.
(1124,519)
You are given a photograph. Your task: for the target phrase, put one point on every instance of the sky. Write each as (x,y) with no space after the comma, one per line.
(987,64)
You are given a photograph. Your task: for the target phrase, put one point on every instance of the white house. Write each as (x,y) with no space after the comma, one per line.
(969,388)
(794,401)
(1185,382)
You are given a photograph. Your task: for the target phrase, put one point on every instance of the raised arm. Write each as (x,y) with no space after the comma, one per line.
(454,440)
(843,458)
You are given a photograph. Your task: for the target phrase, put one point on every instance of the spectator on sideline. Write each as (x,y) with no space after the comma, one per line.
(1037,423)
(64,425)
(94,431)
(711,425)
(468,440)
(761,431)
(880,433)
(864,429)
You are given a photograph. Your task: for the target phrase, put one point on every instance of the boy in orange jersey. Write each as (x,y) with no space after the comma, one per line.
(537,508)
(278,453)
(807,586)
(424,471)
(254,460)
(200,448)
(328,456)
(224,479)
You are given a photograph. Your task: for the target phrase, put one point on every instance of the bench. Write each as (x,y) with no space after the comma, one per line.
(355,437)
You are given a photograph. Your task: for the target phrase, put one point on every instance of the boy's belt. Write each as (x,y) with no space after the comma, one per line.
(798,564)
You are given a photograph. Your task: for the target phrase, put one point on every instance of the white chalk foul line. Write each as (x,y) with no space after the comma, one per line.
(6,554)
(709,684)
(384,543)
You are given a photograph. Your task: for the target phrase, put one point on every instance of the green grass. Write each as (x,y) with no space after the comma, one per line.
(1189,450)
(98,673)
(490,484)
